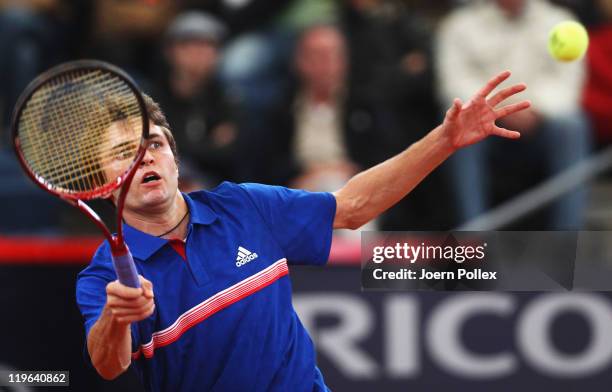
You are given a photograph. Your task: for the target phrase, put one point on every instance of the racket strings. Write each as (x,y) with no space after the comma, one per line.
(81,131)
(78,145)
(55,163)
(75,152)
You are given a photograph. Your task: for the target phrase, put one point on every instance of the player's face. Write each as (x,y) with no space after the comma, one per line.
(123,137)
(155,183)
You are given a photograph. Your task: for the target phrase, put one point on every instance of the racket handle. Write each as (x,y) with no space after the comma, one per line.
(126,269)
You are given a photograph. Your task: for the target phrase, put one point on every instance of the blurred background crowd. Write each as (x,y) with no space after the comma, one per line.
(306,93)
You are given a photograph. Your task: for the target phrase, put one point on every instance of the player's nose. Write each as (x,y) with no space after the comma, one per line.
(148,158)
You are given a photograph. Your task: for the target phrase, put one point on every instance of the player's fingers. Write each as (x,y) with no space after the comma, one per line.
(503,132)
(147,287)
(141,310)
(136,317)
(515,107)
(505,93)
(454,110)
(117,302)
(493,83)
(120,290)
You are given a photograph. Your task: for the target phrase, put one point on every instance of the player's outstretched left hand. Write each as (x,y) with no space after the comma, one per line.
(473,121)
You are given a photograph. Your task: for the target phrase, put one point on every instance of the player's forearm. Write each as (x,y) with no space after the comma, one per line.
(373,191)
(110,344)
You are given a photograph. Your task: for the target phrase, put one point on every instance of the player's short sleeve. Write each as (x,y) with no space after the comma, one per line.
(300,221)
(91,289)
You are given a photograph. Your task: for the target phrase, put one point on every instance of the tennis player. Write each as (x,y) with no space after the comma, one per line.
(214,312)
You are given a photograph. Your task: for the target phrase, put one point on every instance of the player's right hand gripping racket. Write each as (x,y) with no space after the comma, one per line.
(80,131)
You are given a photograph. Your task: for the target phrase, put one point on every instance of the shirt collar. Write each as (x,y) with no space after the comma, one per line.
(143,245)
(201,213)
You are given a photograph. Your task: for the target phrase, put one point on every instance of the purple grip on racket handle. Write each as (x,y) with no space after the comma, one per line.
(126,270)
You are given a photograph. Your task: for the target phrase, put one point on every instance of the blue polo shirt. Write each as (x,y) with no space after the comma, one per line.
(223,317)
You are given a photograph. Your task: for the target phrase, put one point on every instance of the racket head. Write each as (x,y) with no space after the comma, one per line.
(80,129)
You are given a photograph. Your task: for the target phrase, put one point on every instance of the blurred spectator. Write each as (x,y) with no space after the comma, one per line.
(597,97)
(201,117)
(318,143)
(483,38)
(318,136)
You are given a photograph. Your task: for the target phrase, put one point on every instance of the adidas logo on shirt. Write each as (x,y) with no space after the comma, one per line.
(244,256)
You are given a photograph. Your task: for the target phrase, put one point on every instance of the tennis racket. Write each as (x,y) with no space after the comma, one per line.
(80,132)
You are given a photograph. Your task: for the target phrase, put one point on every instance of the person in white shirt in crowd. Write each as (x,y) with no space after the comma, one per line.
(483,36)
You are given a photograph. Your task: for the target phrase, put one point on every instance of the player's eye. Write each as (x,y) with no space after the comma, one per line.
(123,154)
(155,145)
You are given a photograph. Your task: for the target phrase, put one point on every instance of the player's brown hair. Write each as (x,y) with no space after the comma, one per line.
(157,117)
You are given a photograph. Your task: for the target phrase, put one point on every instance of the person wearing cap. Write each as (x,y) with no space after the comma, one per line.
(194,103)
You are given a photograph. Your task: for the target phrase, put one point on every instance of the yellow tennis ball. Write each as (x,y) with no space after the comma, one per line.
(568,41)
